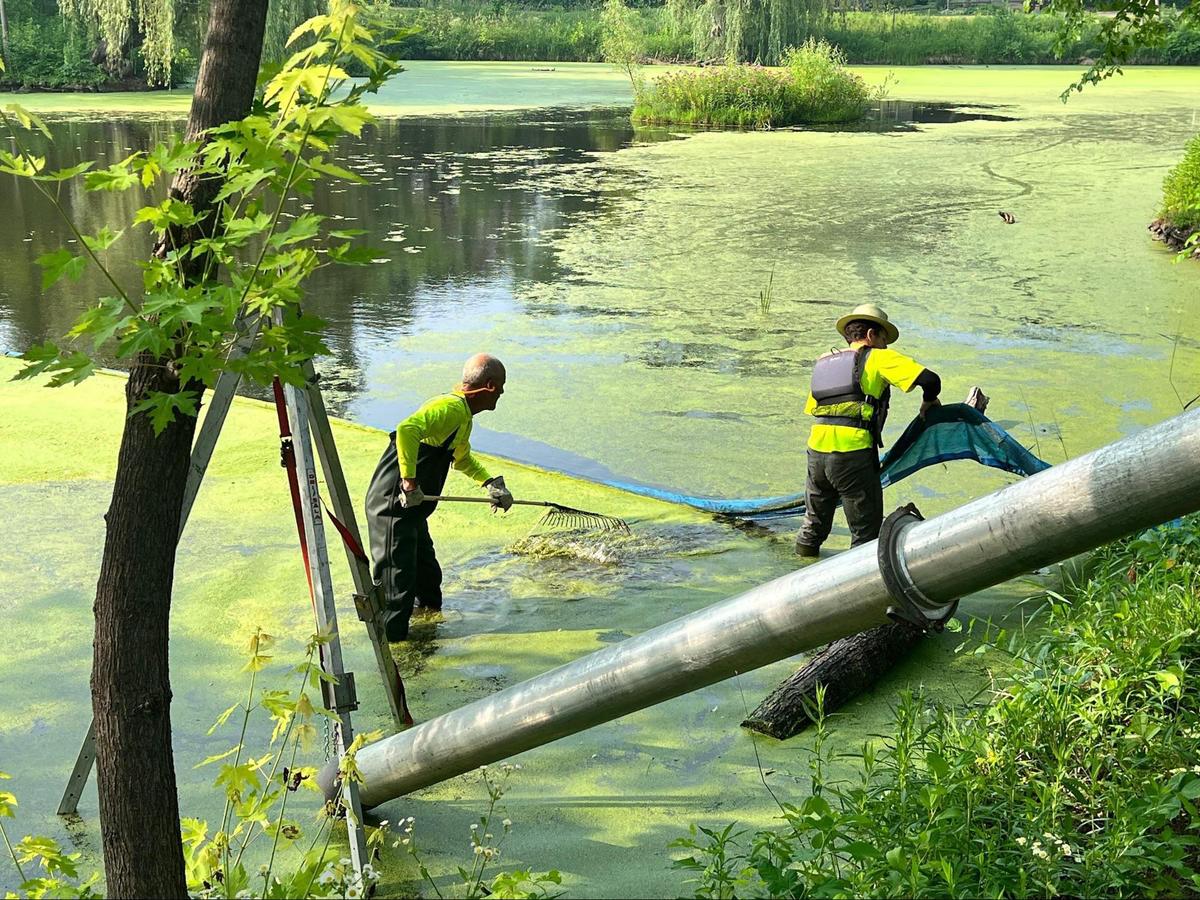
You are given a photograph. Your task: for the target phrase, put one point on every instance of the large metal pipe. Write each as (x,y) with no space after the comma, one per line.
(1129,485)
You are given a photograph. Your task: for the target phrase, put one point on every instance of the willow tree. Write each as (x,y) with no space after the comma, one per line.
(161,28)
(748,30)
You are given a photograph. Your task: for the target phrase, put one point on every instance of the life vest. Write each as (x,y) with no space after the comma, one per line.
(837,382)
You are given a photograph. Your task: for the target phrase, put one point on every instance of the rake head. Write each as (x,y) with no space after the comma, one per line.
(577,519)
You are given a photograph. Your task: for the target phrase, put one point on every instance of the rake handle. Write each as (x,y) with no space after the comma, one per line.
(437,499)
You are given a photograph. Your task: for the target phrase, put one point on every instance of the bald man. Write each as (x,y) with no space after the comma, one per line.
(416,462)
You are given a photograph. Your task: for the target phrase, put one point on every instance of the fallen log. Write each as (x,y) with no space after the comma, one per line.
(847,668)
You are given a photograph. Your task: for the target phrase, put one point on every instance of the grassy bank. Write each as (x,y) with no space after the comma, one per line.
(1075,775)
(475,31)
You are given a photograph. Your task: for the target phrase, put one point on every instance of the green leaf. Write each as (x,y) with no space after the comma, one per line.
(351,119)
(102,239)
(67,174)
(116,177)
(28,119)
(60,262)
(73,369)
(303,228)
(335,171)
(40,357)
(244,227)
(20,166)
(223,717)
(162,408)
(102,321)
(209,760)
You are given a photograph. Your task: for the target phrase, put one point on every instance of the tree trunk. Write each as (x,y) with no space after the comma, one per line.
(131,691)
(4,34)
(847,668)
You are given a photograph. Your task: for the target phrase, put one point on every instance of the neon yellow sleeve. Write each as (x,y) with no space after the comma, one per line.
(468,464)
(432,423)
(895,368)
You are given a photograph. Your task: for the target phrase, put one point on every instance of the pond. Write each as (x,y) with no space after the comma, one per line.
(619,272)
(623,276)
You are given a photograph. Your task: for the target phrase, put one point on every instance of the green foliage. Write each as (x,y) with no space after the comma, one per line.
(826,91)
(622,44)
(1076,775)
(51,872)
(1181,189)
(216,273)
(1124,37)
(478,31)
(814,88)
(257,791)
(50,53)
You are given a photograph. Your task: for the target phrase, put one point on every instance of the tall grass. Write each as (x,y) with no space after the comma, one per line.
(1078,774)
(813,87)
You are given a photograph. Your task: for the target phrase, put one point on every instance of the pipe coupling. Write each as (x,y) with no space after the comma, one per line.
(909,603)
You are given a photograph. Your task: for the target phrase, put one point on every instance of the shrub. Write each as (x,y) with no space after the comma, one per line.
(1077,776)
(1181,189)
(827,92)
(813,88)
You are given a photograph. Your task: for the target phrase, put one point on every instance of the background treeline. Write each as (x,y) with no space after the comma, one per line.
(61,45)
(992,35)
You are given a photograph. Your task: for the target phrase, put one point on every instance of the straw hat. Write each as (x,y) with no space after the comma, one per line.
(871,313)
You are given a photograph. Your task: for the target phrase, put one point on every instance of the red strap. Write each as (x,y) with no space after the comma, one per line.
(347,536)
(287,459)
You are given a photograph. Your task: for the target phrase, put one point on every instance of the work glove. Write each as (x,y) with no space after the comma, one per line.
(413,498)
(502,498)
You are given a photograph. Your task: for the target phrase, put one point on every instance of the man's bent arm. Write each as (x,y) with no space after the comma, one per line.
(930,384)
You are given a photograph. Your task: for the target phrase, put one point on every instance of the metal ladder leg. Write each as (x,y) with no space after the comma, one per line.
(342,695)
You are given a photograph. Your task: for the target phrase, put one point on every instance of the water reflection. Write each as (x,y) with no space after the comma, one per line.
(461,204)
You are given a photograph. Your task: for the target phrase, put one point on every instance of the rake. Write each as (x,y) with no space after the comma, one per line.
(557,515)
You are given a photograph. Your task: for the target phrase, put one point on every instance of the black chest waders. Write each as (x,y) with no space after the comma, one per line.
(402,553)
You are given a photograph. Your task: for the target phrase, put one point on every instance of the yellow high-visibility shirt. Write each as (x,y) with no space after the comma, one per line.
(432,424)
(883,367)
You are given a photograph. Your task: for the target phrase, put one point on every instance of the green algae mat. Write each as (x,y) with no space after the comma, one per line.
(600,806)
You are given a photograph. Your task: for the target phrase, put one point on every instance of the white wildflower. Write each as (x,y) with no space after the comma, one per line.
(327,878)
(478,849)
(1021,842)
(474,826)
(353,892)
(507,823)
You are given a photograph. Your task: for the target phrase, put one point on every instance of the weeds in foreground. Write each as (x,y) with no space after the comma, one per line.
(487,838)
(1076,775)
(262,846)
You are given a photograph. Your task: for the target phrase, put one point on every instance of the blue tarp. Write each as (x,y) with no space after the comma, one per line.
(956,431)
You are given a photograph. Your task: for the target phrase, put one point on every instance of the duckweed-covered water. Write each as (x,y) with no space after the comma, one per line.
(621,275)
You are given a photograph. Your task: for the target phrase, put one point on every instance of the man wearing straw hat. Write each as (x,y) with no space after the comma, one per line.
(416,462)
(849,398)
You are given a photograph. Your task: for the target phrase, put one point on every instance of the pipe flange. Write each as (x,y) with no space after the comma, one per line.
(911,604)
